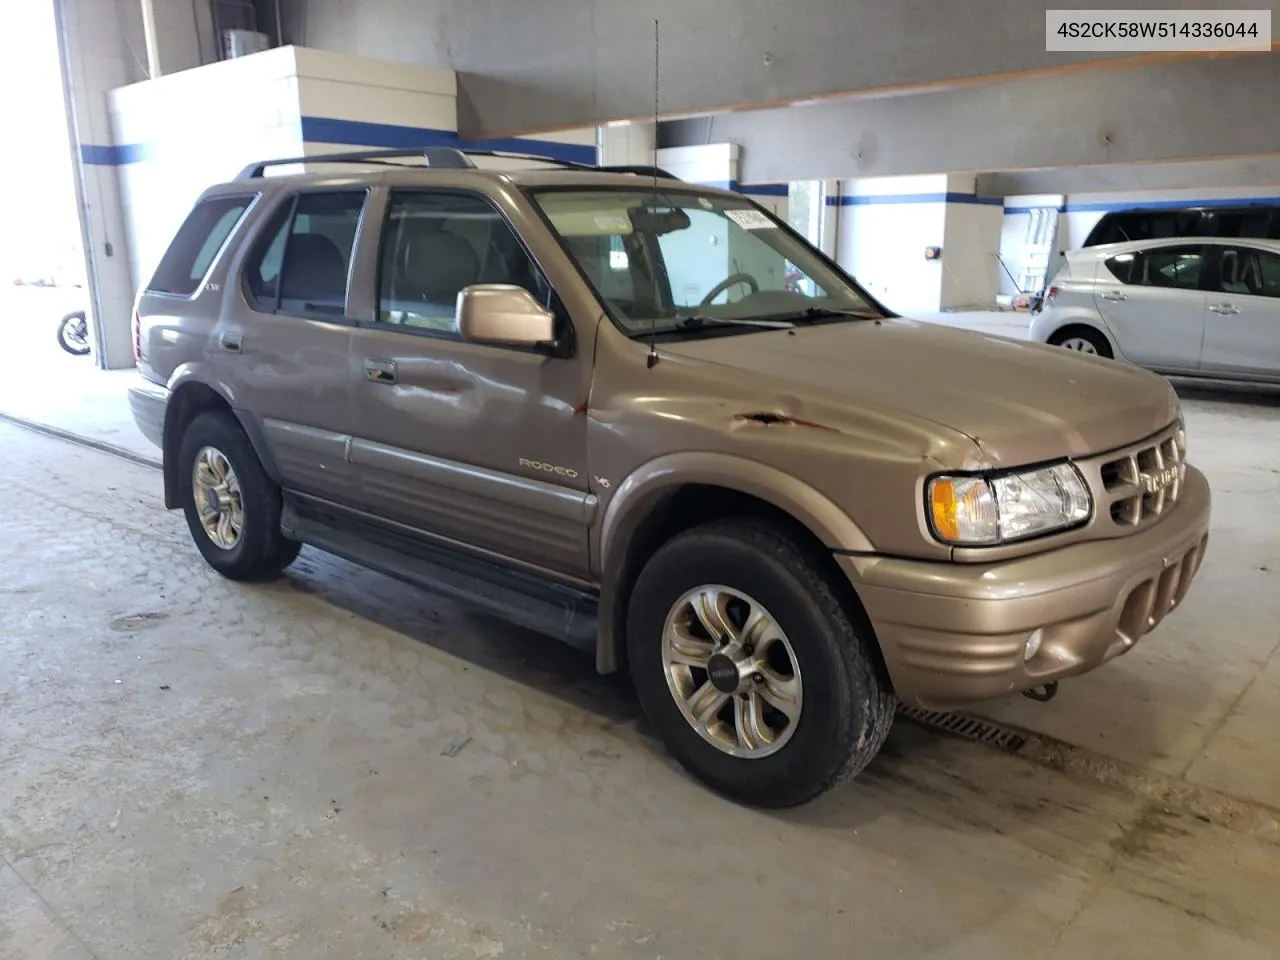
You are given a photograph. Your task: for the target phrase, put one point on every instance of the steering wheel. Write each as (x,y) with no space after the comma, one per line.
(729,281)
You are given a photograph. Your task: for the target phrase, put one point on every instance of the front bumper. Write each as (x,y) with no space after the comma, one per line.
(148,402)
(955,633)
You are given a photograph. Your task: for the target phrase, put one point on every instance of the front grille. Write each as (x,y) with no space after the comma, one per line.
(1145,482)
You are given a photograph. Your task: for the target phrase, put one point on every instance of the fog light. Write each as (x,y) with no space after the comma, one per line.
(1033,645)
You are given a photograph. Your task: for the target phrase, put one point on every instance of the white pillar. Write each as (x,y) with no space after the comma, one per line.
(625,143)
(149,36)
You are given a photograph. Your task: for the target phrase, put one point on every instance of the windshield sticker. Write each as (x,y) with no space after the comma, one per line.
(705,204)
(614,223)
(750,219)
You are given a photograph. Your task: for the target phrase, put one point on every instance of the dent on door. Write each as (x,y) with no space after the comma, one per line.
(474,444)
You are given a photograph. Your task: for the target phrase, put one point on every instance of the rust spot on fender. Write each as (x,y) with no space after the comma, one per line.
(767,419)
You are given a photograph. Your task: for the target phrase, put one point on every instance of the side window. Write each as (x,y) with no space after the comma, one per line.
(192,251)
(303,259)
(1177,267)
(434,245)
(1243,270)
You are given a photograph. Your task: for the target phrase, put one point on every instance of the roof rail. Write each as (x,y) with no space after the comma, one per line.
(438,157)
(442,158)
(638,169)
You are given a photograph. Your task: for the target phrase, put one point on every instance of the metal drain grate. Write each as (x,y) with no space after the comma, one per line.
(970,728)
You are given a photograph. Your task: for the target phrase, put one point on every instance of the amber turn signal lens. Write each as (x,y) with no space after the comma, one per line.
(963,510)
(942,501)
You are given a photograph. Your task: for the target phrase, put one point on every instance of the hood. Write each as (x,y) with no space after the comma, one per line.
(1020,402)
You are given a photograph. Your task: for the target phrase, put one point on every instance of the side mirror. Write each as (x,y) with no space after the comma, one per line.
(502,313)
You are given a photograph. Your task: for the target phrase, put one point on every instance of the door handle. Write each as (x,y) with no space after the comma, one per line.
(1222,309)
(1115,296)
(231,342)
(380,371)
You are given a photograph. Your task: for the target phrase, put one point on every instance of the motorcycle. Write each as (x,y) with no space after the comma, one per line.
(73,333)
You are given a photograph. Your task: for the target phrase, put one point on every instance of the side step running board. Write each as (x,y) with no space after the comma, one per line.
(548,608)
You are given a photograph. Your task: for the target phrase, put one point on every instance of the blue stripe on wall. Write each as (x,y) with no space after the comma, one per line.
(866,201)
(1008,211)
(114,155)
(361,134)
(752,189)
(393,136)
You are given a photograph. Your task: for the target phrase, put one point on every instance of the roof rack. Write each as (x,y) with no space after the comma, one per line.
(443,158)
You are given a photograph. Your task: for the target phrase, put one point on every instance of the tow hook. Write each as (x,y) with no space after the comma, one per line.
(1043,693)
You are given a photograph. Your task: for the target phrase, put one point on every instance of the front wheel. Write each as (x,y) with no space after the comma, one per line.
(73,333)
(759,680)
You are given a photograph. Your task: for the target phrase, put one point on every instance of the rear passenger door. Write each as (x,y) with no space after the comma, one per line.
(1154,303)
(291,342)
(478,444)
(1242,332)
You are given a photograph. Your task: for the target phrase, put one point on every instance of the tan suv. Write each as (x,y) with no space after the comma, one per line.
(649,419)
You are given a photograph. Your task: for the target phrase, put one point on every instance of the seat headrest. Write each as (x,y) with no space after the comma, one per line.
(313,269)
(440,264)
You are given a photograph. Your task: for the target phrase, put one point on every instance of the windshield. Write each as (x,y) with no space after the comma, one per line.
(676,260)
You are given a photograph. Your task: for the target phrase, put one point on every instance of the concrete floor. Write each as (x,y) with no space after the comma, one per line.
(193,768)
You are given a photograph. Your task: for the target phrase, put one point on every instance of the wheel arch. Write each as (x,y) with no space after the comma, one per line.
(676,493)
(190,396)
(1090,322)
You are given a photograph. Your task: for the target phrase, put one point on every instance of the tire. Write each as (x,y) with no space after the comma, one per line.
(846,707)
(259,550)
(1069,337)
(73,334)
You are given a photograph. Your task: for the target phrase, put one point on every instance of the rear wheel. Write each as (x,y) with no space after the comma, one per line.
(751,669)
(73,333)
(232,506)
(1082,340)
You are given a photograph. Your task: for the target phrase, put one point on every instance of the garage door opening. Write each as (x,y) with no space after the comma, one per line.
(42,266)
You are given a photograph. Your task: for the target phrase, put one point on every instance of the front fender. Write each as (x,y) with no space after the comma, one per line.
(646,486)
(826,521)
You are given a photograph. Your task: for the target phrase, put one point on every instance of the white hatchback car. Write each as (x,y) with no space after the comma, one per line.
(1193,307)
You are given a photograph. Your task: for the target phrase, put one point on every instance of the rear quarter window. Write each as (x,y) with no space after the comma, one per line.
(196,244)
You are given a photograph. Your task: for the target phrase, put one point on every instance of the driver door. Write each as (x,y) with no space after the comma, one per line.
(475,443)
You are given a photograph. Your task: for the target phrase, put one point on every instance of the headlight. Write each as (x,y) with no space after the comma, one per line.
(981,511)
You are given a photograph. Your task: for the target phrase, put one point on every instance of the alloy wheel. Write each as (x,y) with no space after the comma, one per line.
(219,504)
(732,671)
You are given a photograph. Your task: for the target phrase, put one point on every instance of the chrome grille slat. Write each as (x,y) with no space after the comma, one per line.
(1141,484)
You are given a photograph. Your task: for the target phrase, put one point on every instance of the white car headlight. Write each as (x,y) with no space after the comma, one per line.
(983,511)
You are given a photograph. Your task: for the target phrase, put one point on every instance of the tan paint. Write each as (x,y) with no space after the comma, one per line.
(838,425)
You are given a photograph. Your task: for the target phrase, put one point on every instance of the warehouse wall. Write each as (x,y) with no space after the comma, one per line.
(181,133)
(1175,111)
(885,224)
(558,63)
(177,135)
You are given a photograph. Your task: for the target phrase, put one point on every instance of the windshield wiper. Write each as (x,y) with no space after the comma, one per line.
(697,321)
(822,313)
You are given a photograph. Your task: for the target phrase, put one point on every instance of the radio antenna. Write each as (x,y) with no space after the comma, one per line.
(653,320)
